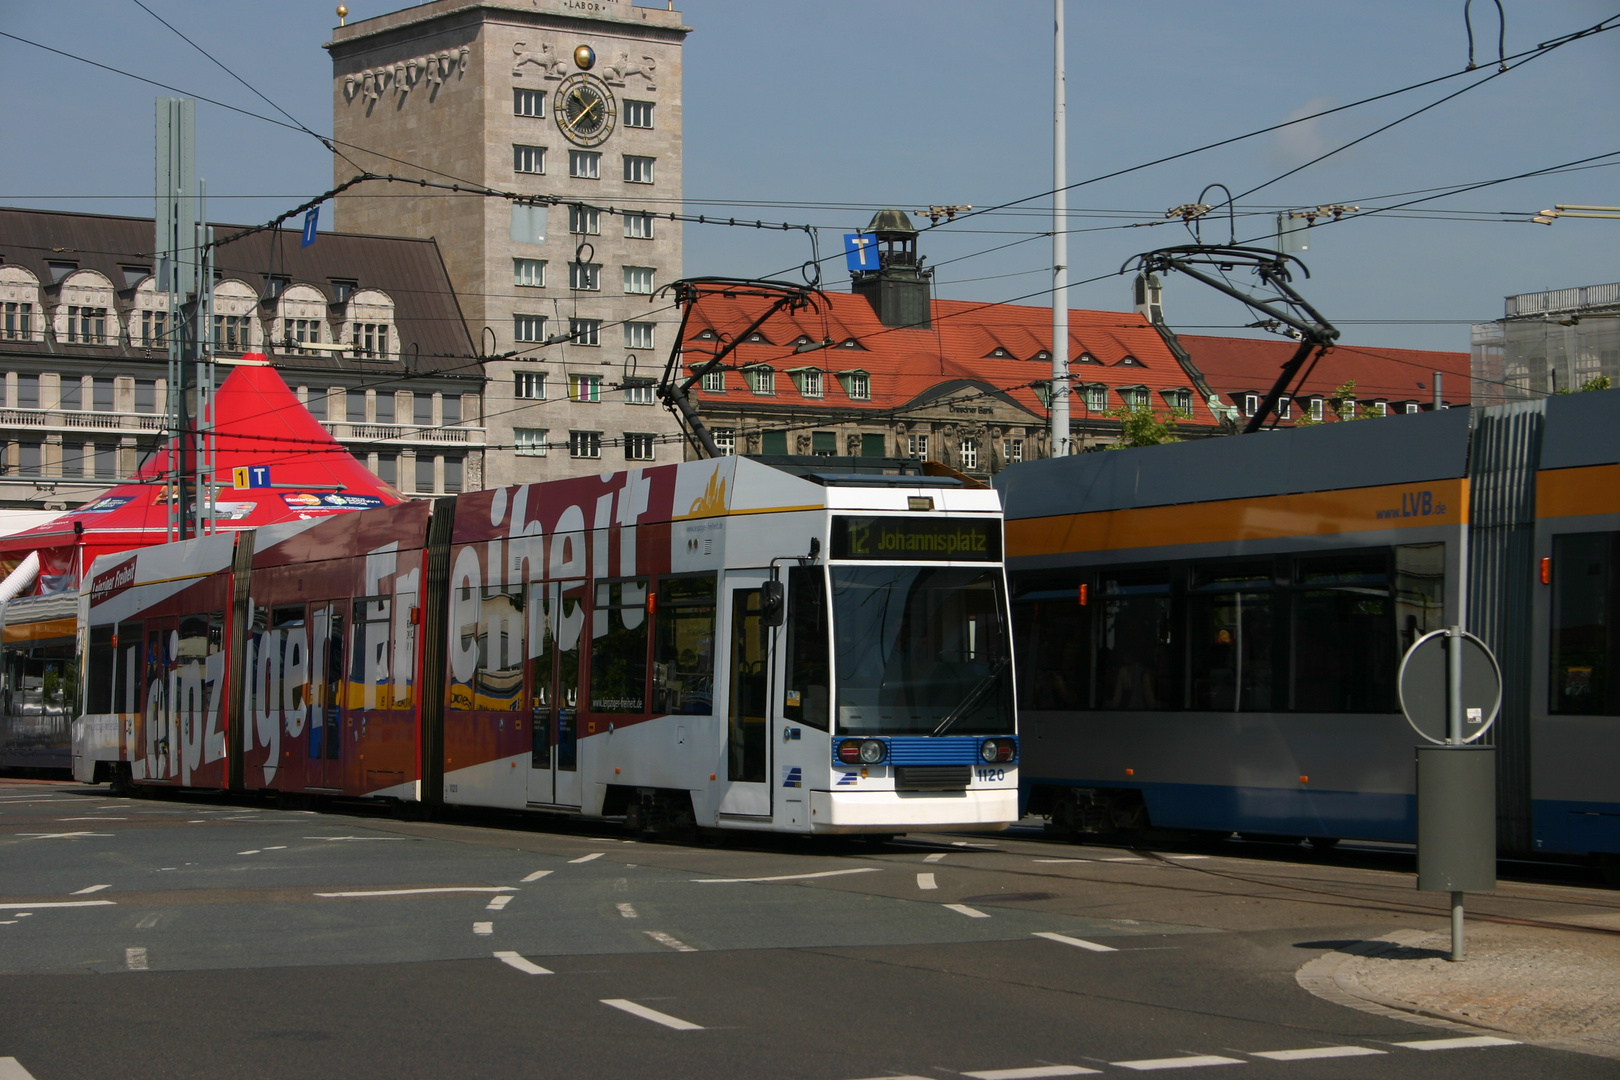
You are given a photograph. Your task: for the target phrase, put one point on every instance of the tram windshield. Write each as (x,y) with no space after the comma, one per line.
(921,650)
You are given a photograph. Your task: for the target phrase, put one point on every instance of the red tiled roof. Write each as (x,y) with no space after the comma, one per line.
(906,363)
(1249,365)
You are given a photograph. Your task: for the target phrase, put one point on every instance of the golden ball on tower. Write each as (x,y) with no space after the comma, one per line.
(585,57)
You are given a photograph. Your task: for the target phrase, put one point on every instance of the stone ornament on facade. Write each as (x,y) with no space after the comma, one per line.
(621,69)
(543,56)
(405,75)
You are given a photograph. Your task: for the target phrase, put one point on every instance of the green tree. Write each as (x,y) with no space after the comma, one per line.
(1139,425)
(1597,382)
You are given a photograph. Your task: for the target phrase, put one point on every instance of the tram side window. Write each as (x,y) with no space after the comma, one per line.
(683,646)
(619,647)
(1344,638)
(1584,645)
(1138,653)
(805,698)
(102,660)
(127,670)
(288,620)
(1232,637)
(1420,576)
(368,664)
(1053,644)
(497,683)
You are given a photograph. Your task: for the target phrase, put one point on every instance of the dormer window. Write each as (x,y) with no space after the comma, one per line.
(1251,404)
(1134,397)
(1087,358)
(761,379)
(857,385)
(809,381)
(85,302)
(368,325)
(236,326)
(342,289)
(757,338)
(1043,355)
(803,339)
(300,319)
(60,270)
(1180,399)
(134,274)
(1043,392)
(19,305)
(851,343)
(1095,396)
(708,335)
(998,353)
(1131,361)
(275,285)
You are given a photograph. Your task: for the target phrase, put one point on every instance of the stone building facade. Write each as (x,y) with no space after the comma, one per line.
(577,101)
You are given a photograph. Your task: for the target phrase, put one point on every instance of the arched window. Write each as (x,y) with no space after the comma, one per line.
(368,325)
(300,320)
(236,318)
(22,317)
(85,310)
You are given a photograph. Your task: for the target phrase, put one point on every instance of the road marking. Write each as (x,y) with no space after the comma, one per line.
(627,910)
(536,876)
(1064,860)
(1187,856)
(1034,1073)
(149,921)
(483,929)
(1193,1062)
(926,881)
(963,909)
(277,847)
(59,903)
(60,835)
(511,959)
(1123,858)
(350,837)
(936,856)
(1079,943)
(664,939)
(250,851)
(11,1069)
(81,892)
(1458,1044)
(588,858)
(418,892)
(1314,1052)
(787,877)
(981,847)
(498,902)
(92,819)
(135,958)
(652,1014)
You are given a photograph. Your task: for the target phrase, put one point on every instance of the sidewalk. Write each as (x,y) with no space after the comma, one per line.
(1557,988)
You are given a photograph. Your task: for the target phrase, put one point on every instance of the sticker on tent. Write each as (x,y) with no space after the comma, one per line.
(102,505)
(329,500)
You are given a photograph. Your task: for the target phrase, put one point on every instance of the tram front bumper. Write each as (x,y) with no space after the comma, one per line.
(981,809)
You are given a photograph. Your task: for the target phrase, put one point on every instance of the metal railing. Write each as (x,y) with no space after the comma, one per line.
(80,420)
(1587,296)
(404,433)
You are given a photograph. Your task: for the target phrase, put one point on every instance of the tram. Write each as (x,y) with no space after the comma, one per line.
(1209,633)
(39,681)
(720,643)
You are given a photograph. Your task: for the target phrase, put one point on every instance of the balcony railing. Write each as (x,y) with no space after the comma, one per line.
(404,433)
(80,420)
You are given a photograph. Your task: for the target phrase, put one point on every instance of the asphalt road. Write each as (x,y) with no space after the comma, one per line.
(218,939)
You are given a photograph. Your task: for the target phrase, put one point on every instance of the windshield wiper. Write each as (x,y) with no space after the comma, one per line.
(973,697)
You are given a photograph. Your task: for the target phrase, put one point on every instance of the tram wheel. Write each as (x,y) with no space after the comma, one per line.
(1324,843)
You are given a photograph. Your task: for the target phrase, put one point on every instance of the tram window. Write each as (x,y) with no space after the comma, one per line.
(1052,636)
(288,621)
(805,699)
(1584,608)
(1343,636)
(683,646)
(747,733)
(1232,637)
(127,667)
(368,658)
(497,638)
(1420,575)
(407,612)
(1138,652)
(102,659)
(619,647)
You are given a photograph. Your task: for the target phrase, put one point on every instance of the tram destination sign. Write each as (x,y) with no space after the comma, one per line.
(916,539)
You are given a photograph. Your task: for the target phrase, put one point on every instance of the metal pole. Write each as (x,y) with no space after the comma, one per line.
(1456,927)
(1438,395)
(1454,698)
(1060,246)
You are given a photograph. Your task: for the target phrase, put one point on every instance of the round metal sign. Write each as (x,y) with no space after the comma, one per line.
(1423,679)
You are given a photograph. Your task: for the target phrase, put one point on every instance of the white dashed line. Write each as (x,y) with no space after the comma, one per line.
(11,1069)
(1193,1062)
(420,892)
(483,929)
(664,939)
(92,819)
(250,851)
(926,881)
(627,910)
(1064,860)
(652,1014)
(511,959)
(59,903)
(149,921)
(936,856)
(1186,856)
(277,847)
(82,892)
(347,837)
(1123,858)
(1458,1044)
(588,858)
(963,909)
(1034,1073)
(536,876)
(787,877)
(497,903)
(1079,943)
(1314,1052)
(135,959)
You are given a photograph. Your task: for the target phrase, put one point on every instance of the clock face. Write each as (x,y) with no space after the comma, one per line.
(585,109)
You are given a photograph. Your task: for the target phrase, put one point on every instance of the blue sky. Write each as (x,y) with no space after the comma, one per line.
(819,111)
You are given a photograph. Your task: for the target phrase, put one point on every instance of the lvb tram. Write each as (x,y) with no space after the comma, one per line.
(719,643)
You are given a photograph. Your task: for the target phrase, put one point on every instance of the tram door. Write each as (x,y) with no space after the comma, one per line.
(556,614)
(748,743)
(327,621)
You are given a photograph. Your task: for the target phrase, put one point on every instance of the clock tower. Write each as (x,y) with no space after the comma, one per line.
(573,100)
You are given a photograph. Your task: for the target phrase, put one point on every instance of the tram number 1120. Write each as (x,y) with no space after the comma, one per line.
(991,774)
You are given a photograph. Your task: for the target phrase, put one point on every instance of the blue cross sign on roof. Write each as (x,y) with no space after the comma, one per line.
(860,252)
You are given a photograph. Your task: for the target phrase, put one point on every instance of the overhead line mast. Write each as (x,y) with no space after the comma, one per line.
(1060,247)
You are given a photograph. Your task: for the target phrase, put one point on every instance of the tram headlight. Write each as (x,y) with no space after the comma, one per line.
(862,751)
(871,752)
(998,750)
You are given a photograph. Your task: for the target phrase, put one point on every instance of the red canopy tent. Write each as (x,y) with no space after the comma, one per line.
(260,426)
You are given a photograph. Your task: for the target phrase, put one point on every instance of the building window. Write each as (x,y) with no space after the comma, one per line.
(529,442)
(638,335)
(453,472)
(584,221)
(146,397)
(1134,397)
(300,331)
(585,164)
(638,170)
(761,380)
(424,473)
(1180,400)
(530,272)
(638,279)
(531,385)
(28,458)
(637,114)
(1380,408)
(233,333)
(529,159)
(314,400)
(70,393)
(714,382)
(809,383)
(422,410)
(1251,404)
(528,102)
(1347,408)
(725,440)
(354,406)
(155,329)
(1012,450)
(19,318)
(587,388)
(640,392)
(917,446)
(638,226)
(586,276)
(370,340)
(1285,407)
(1095,397)
(388,469)
(87,325)
(857,384)
(528,328)
(1316,409)
(384,407)
(1412,407)
(585,444)
(450,410)
(585,331)
(101,394)
(638,446)
(968,451)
